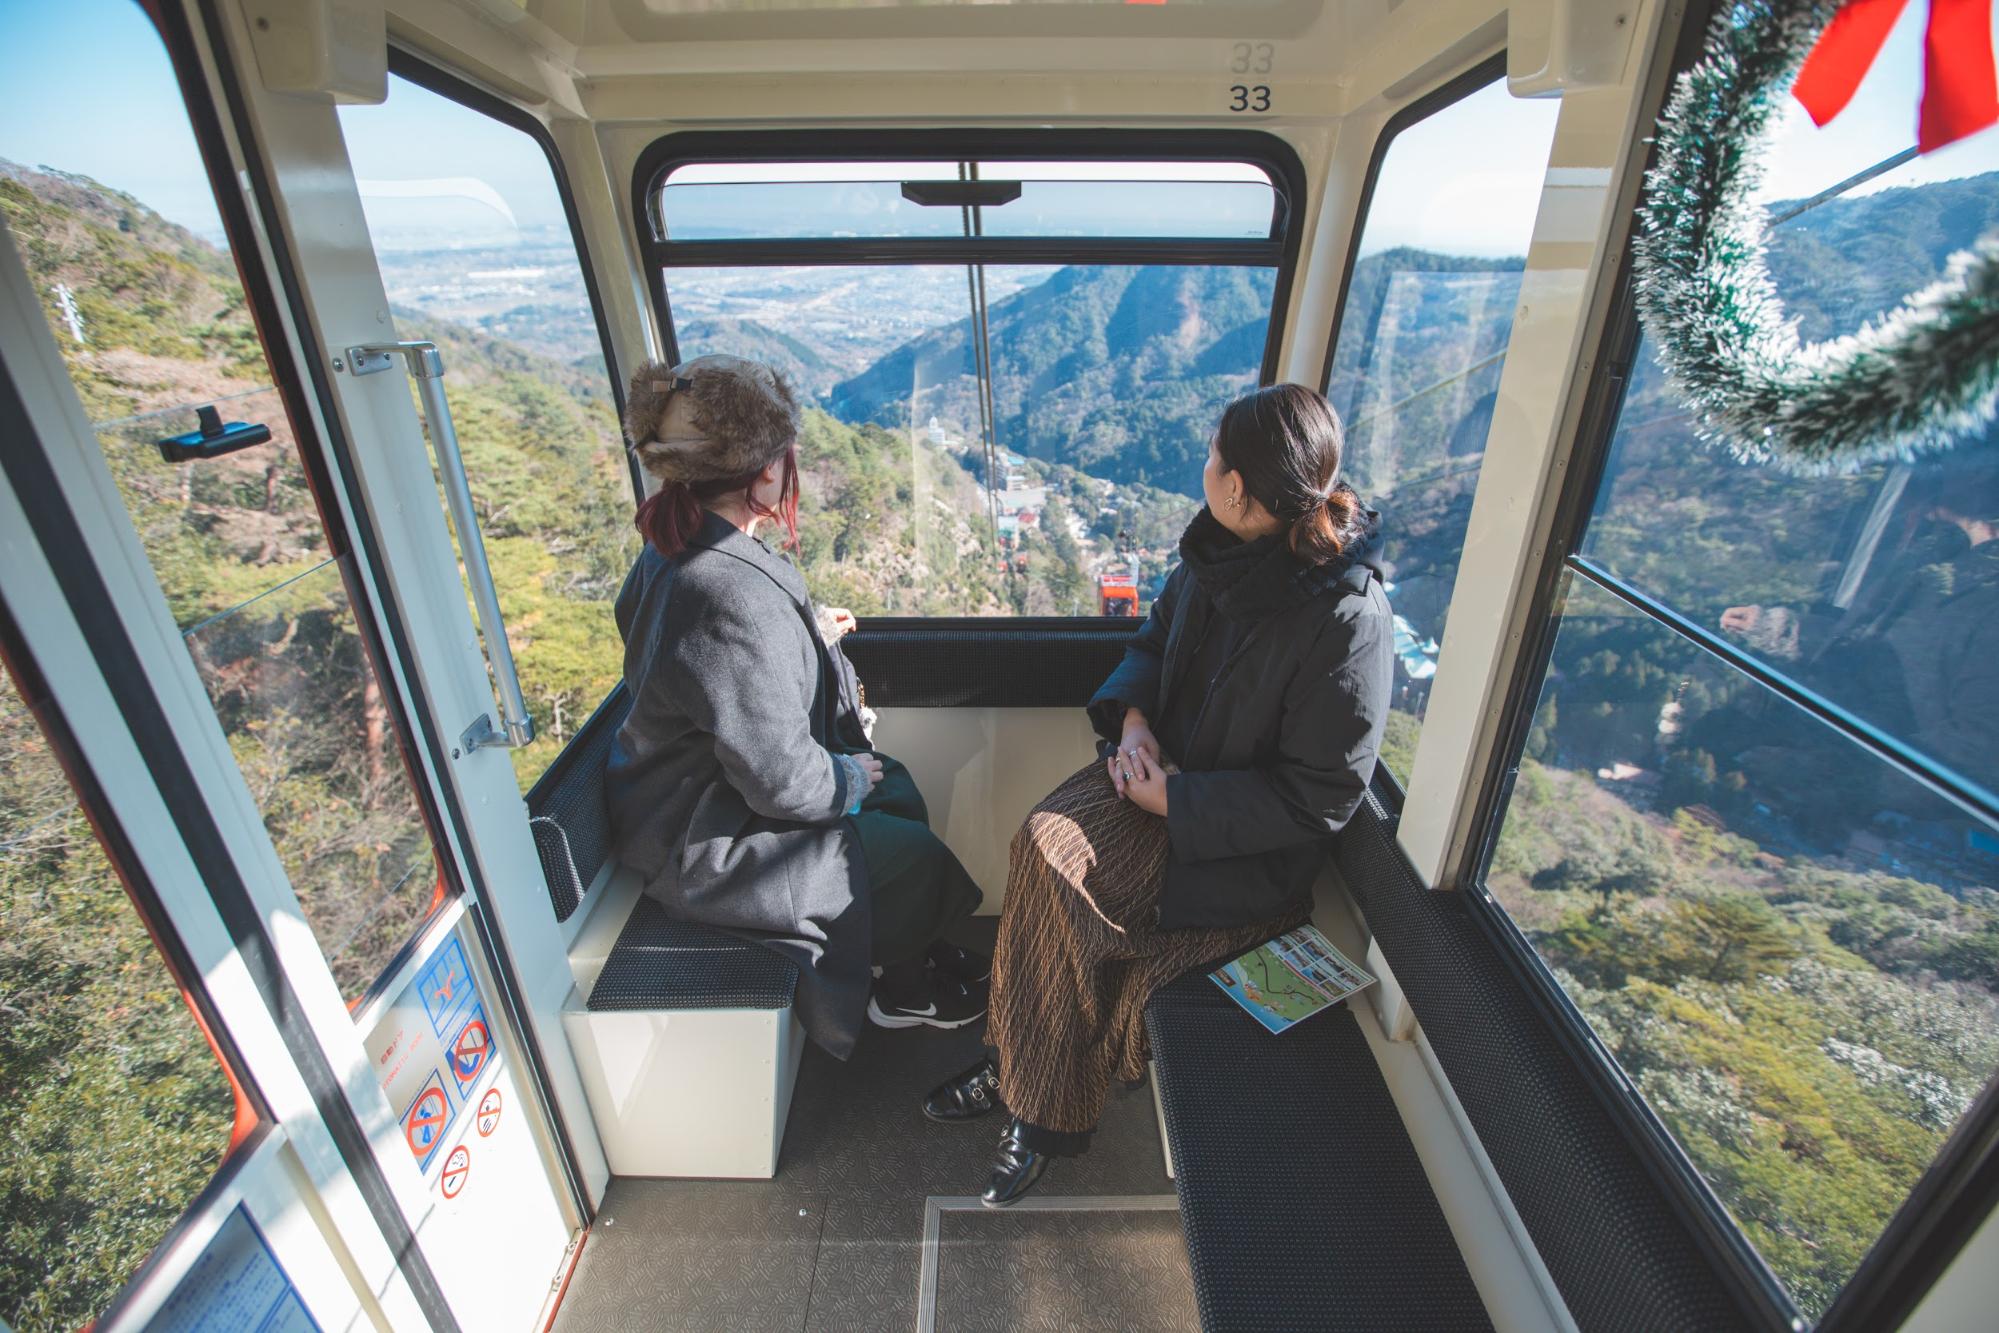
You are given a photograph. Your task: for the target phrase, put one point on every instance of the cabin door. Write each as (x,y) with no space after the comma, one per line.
(200,501)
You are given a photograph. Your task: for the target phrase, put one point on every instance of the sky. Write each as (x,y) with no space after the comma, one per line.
(85,86)
(1466,179)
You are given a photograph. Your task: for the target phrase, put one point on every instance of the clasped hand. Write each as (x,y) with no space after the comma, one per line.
(1135,769)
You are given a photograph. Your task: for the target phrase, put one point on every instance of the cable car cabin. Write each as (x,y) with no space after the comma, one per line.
(334,995)
(1117,592)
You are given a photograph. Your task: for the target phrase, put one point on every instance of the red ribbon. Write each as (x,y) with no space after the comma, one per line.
(1960,89)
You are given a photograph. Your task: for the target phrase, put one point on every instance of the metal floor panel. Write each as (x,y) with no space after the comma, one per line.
(834,1242)
(1056,1263)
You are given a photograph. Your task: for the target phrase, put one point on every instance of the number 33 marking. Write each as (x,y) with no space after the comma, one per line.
(1243,98)
(1252,58)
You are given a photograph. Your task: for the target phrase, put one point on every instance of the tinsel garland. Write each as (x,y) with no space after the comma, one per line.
(1920,378)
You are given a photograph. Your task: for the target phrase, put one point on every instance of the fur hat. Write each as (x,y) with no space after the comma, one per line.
(710,419)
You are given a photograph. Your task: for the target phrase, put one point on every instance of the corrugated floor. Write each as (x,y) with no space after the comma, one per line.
(834,1242)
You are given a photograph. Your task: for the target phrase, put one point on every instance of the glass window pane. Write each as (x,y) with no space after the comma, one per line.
(94,1020)
(893,519)
(1878,589)
(114,1113)
(1206,200)
(478,256)
(144,299)
(1106,383)
(1422,340)
(791,201)
(795,210)
(1791,948)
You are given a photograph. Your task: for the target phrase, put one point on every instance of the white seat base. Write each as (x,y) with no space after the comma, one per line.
(688,1092)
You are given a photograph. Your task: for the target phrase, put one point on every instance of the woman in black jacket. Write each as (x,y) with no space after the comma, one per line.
(1239,733)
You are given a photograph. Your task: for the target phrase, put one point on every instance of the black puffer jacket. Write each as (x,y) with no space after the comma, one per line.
(1279,746)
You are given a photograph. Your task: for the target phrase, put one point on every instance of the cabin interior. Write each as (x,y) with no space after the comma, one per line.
(328,1005)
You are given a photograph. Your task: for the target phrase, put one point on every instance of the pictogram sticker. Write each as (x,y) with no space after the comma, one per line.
(446,986)
(470,1050)
(424,1122)
(456,1168)
(489,1113)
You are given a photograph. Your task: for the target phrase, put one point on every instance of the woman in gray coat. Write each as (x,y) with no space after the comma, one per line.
(1238,734)
(741,784)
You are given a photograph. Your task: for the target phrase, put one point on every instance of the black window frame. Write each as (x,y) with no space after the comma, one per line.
(1278,251)
(1954,1195)
(1257,148)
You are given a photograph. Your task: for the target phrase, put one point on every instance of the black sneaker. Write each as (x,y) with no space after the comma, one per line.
(943,1003)
(960,963)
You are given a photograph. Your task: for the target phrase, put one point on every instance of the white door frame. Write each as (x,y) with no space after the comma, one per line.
(290,159)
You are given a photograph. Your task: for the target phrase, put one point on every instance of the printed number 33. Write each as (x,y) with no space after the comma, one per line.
(1255,98)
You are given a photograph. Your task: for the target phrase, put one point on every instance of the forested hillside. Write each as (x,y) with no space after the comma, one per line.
(809,371)
(1118,371)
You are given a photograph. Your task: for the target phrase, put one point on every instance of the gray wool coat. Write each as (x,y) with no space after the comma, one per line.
(723,788)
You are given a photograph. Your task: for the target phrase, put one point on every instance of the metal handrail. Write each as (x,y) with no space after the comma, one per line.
(426,366)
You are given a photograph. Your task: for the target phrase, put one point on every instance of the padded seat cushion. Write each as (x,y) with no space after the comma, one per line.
(1303,1201)
(660,963)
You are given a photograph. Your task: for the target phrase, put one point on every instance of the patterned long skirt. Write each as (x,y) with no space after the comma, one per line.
(1078,956)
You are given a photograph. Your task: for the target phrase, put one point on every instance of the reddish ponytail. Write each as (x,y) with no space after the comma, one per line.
(671,516)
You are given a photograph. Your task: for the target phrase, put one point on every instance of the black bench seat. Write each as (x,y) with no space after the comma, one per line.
(660,963)
(1303,1201)
(656,963)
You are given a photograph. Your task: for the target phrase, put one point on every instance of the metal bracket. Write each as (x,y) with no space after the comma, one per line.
(482,734)
(425,361)
(368,360)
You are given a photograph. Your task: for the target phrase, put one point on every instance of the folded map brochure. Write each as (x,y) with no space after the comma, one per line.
(1291,978)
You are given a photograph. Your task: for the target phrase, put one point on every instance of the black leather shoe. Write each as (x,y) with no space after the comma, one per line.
(1016,1169)
(966,1095)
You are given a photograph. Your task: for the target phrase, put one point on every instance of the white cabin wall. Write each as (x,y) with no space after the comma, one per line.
(981,770)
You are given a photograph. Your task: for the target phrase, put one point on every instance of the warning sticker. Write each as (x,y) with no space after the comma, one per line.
(457,1167)
(424,1122)
(489,1113)
(446,986)
(469,1050)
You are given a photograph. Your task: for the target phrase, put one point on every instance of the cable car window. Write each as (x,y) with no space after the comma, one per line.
(1791,948)
(122,238)
(478,254)
(1752,832)
(1423,334)
(790,201)
(114,1111)
(703,202)
(1860,587)
(1207,199)
(1008,409)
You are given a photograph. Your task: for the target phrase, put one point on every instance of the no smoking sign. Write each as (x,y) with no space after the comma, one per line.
(457,1169)
(489,1113)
